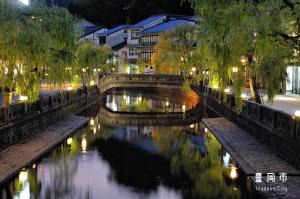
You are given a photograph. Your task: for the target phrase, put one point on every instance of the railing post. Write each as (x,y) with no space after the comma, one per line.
(274,119)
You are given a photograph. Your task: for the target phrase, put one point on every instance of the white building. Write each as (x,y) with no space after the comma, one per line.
(143,36)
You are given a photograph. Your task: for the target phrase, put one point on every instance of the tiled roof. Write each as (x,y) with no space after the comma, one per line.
(147,21)
(167,25)
(91,29)
(113,30)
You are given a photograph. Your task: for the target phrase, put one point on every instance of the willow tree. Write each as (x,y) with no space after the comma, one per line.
(91,58)
(37,42)
(256,37)
(173,50)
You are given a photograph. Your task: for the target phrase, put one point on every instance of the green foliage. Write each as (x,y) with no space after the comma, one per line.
(266,33)
(91,57)
(40,40)
(173,50)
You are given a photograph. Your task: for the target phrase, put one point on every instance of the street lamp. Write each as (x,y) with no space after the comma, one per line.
(227,90)
(235,69)
(194,69)
(243,59)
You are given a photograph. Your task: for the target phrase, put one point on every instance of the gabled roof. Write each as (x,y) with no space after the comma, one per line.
(167,25)
(113,30)
(147,21)
(91,29)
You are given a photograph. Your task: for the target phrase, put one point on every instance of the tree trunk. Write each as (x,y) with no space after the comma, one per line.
(254,89)
(7,100)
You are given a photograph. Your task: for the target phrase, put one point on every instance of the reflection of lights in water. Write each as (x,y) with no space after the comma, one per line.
(226,159)
(92,122)
(233,172)
(95,130)
(205,130)
(83,144)
(192,126)
(167,103)
(114,106)
(69,141)
(23,176)
(124,97)
(140,98)
(183,108)
(24,192)
(99,126)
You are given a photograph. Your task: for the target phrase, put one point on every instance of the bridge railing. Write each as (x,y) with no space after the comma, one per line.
(140,77)
(272,118)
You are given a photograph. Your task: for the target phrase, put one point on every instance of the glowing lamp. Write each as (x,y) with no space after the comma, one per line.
(23,98)
(183,108)
(235,69)
(233,172)
(227,90)
(243,96)
(297,113)
(194,69)
(69,88)
(92,122)
(243,60)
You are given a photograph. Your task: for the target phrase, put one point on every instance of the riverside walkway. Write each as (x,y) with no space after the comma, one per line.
(18,156)
(254,157)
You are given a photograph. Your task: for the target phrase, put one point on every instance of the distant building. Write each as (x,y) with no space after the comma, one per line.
(90,31)
(143,36)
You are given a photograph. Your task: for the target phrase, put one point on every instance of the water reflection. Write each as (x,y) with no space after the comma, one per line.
(133,161)
(135,101)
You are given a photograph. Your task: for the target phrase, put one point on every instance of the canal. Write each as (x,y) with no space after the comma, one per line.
(148,144)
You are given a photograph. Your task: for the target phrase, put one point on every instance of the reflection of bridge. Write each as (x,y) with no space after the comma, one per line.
(139,81)
(117,119)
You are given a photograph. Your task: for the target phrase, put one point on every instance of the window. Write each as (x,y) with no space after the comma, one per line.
(133,34)
(102,40)
(132,51)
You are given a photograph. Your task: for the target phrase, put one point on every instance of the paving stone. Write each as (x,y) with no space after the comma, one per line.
(16,157)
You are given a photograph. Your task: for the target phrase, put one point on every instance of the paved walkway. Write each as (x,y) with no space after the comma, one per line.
(253,157)
(16,157)
(285,103)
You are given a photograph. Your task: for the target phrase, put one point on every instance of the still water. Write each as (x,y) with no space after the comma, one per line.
(144,159)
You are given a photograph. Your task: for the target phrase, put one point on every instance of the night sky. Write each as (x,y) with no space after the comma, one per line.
(114,12)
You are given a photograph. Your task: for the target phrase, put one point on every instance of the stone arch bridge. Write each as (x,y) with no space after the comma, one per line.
(139,81)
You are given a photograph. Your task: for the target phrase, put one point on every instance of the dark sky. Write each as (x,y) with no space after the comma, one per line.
(115,12)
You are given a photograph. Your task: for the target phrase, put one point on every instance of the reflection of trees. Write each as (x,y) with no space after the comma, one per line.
(203,176)
(139,106)
(62,171)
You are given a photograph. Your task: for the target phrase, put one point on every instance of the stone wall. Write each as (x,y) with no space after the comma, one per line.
(278,130)
(26,120)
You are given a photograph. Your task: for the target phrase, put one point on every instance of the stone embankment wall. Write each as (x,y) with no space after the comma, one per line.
(278,130)
(26,120)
